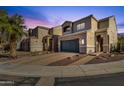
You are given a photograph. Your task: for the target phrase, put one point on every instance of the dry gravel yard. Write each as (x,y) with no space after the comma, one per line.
(60,59)
(49,59)
(103,58)
(67,61)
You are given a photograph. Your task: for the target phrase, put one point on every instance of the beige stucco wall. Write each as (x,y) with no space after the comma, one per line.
(103,24)
(57,30)
(36,44)
(83,47)
(42,32)
(91,36)
(112,32)
(108,31)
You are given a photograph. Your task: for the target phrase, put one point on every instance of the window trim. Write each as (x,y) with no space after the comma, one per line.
(80,26)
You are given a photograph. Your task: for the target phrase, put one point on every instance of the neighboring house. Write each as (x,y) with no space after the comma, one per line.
(50,41)
(36,37)
(89,35)
(25,44)
(42,39)
(34,41)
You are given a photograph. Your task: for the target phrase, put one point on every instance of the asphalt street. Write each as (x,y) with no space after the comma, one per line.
(105,80)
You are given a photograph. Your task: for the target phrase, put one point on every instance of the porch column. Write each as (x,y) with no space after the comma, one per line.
(106,43)
(59,45)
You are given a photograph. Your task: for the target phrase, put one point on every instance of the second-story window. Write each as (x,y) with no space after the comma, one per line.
(34,33)
(67,29)
(80,26)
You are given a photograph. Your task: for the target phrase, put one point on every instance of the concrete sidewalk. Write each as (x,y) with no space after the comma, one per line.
(46,81)
(61,71)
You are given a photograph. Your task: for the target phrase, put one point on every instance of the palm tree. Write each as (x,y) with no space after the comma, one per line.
(17,25)
(4,24)
(4,27)
(14,29)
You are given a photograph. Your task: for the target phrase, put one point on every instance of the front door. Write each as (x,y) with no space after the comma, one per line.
(50,44)
(99,44)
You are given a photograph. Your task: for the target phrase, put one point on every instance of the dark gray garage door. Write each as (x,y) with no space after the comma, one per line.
(70,45)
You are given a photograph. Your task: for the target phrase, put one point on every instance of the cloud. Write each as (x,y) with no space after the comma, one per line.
(56,20)
(120,30)
(121,25)
(32,23)
(51,22)
(36,17)
(32,13)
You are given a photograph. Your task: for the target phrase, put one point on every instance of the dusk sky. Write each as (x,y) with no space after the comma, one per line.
(50,16)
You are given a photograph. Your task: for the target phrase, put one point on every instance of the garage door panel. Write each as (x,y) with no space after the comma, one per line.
(70,45)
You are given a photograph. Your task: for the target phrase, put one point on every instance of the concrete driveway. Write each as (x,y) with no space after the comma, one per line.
(39,59)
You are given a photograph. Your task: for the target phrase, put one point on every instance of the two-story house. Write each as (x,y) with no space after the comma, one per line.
(88,35)
(85,35)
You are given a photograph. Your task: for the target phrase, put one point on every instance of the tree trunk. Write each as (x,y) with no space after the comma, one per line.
(13,49)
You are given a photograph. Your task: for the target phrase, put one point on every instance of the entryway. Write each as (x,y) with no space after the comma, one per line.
(99,43)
